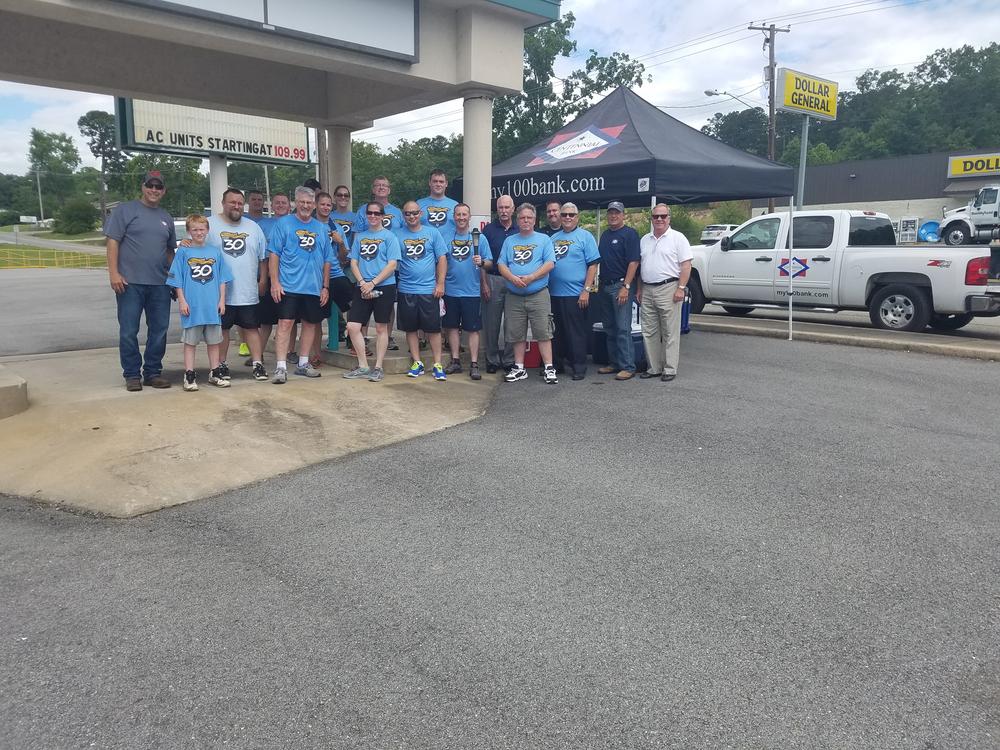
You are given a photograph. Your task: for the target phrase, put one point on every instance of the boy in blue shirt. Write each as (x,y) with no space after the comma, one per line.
(569,284)
(467,264)
(199,275)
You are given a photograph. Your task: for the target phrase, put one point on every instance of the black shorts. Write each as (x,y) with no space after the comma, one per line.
(244,316)
(381,307)
(267,311)
(341,293)
(304,307)
(418,312)
(462,312)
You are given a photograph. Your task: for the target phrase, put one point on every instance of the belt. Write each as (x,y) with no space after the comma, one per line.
(660,283)
(609,282)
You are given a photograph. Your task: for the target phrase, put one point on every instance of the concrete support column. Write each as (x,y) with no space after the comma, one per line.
(218,180)
(322,161)
(338,140)
(477,154)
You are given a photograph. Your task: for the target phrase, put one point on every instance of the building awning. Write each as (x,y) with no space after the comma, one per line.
(969,187)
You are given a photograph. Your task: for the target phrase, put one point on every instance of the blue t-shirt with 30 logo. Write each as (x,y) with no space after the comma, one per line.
(373,251)
(419,253)
(574,252)
(302,248)
(462,279)
(198,272)
(392,218)
(437,212)
(525,255)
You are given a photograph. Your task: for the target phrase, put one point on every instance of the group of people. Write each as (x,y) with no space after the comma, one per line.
(423,268)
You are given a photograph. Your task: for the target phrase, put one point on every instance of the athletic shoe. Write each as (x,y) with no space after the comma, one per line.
(292,357)
(248,362)
(376,374)
(244,350)
(516,373)
(550,375)
(215,378)
(316,361)
(474,371)
(190,382)
(438,371)
(357,373)
(490,369)
(393,346)
(307,371)
(224,371)
(453,367)
(280,376)
(259,373)
(416,369)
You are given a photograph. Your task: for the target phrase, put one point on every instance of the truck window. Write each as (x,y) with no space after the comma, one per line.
(989,196)
(871,230)
(761,235)
(812,232)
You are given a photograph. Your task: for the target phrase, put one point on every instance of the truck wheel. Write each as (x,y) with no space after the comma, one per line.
(737,311)
(941,322)
(697,296)
(956,234)
(900,307)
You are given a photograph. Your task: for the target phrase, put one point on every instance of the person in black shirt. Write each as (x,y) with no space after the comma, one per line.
(498,353)
(619,248)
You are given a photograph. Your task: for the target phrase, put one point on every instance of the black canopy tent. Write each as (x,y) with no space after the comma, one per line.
(623,148)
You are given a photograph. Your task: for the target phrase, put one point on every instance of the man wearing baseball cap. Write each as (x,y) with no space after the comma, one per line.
(619,248)
(140,245)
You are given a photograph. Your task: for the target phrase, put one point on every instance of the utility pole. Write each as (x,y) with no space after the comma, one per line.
(38,181)
(770,30)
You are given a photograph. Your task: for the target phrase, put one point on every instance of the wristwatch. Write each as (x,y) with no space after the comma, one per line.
(627,285)
(682,287)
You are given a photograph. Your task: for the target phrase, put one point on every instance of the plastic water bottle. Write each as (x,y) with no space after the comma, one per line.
(376,292)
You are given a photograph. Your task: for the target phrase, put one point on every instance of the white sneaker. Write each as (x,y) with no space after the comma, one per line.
(516,373)
(190,381)
(550,375)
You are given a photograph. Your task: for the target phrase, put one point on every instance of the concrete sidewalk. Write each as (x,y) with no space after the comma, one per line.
(88,444)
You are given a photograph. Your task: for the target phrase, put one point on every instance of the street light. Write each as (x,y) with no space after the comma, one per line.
(716,92)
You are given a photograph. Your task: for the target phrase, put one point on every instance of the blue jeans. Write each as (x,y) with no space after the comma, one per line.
(617,322)
(154,301)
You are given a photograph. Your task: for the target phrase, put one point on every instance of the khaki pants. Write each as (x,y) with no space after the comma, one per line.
(660,317)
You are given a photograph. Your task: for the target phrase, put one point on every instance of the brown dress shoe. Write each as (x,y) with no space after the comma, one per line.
(667,377)
(133,384)
(157,381)
(624,375)
(606,370)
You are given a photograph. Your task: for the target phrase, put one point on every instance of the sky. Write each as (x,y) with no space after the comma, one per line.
(687,48)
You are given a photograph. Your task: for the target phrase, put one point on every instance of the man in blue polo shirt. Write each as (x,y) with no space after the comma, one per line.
(422,269)
(392,217)
(569,284)
(300,259)
(619,248)
(374,258)
(436,209)
(526,260)
(467,262)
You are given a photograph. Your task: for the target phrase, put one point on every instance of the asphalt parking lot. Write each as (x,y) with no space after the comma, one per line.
(790,546)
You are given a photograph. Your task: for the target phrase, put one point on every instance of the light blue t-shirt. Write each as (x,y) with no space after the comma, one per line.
(392,219)
(525,255)
(437,212)
(336,269)
(302,248)
(574,252)
(462,279)
(198,272)
(373,251)
(243,248)
(267,223)
(344,222)
(419,253)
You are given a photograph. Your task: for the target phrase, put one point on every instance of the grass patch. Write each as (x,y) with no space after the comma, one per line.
(21,256)
(76,237)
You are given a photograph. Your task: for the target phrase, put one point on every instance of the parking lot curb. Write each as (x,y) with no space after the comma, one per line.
(13,394)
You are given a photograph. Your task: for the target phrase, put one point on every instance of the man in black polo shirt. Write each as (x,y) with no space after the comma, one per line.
(553,221)
(495,290)
(619,248)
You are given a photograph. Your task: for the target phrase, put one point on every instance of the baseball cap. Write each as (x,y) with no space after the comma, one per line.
(616,206)
(153,176)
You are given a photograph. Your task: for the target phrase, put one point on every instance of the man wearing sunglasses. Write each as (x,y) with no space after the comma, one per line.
(569,284)
(663,273)
(140,246)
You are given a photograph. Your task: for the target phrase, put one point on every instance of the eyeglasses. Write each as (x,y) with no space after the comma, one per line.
(661,216)
(154,185)
(341,195)
(565,214)
(374,213)
(411,213)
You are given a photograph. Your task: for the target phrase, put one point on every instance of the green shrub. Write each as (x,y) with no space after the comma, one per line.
(9,218)
(731,212)
(686,224)
(77,216)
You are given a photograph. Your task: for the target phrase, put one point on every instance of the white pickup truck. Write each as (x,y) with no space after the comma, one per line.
(844,260)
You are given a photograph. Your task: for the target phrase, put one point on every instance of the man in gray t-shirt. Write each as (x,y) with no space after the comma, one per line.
(141,243)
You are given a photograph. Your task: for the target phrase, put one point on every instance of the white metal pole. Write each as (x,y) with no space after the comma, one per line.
(267,188)
(38,181)
(791,258)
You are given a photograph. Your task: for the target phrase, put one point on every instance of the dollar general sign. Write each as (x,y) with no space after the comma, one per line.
(806,94)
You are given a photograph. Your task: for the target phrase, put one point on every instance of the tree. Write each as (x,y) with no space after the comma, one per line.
(77,216)
(522,119)
(731,212)
(187,188)
(99,129)
(53,158)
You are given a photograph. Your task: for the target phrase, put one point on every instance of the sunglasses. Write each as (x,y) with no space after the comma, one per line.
(411,213)
(154,185)
(569,214)
(661,216)
(341,195)
(374,213)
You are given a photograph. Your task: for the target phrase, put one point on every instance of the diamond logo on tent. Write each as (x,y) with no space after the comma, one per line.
(799,268)
(584,144)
